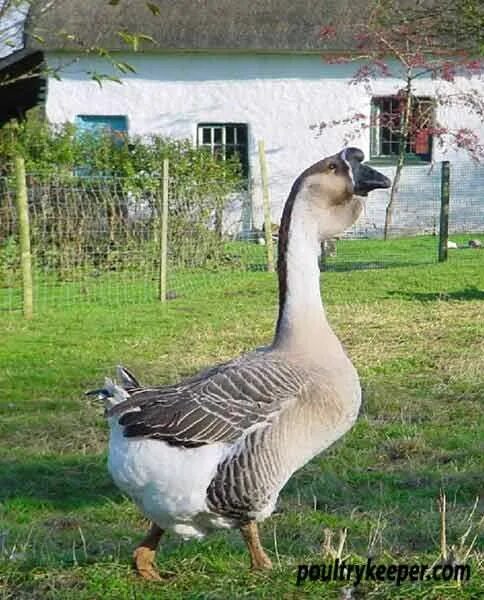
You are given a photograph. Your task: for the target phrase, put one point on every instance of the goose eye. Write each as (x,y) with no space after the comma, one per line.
(332,167)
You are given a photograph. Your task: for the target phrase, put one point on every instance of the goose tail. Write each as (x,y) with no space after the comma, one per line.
(114,393)
(128,380)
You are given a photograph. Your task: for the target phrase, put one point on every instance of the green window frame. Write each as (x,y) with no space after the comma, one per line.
(385,137)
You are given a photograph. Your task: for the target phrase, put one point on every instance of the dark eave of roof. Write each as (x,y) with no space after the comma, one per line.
(22,85)
(25,56)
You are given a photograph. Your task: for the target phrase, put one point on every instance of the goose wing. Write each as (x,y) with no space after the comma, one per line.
(218,405)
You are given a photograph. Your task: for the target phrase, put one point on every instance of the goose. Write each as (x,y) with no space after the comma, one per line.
(216,449)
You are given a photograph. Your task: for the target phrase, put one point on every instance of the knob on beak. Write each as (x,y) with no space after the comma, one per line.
(365,179)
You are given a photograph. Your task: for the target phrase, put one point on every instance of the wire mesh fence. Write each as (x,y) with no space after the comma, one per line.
(95,240)
(415,224)
(98,240)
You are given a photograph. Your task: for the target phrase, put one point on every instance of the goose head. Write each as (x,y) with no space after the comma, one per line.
(325,199)
(331,191)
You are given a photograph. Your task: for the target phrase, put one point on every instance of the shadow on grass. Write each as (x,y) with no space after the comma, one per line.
(64,483)
(346,265)
(404,490)
(468,293)
(71,482)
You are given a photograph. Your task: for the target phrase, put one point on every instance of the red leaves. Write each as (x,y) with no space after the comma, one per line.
(462,138)
(417,60)
(465,138)
(357,120)
(362,39)
(446,71)
(468,140)
(327,32)
(336,59)
(474,66)
(381,68)
(437,131)
(371,70)
(411,45)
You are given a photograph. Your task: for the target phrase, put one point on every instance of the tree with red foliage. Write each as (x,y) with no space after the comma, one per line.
(442,41)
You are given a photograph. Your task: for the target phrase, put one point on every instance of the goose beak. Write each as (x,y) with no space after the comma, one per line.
(365,179)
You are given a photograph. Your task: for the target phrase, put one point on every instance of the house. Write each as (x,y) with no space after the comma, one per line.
(227,74)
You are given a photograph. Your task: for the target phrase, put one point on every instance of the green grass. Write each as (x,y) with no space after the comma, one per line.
(88,284)
(416,336)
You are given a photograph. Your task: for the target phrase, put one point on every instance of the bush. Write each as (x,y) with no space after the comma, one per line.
(9,263)
(93,194)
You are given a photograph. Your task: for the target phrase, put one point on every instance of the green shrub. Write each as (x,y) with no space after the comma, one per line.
(83,185)
(9,262)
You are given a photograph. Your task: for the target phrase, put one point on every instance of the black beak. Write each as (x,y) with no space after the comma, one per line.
(365,179)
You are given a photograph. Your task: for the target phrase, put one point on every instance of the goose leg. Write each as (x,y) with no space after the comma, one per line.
(144,554)
(258,558)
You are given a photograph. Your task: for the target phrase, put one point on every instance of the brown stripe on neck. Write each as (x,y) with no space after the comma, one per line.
(282,249)
(284,236)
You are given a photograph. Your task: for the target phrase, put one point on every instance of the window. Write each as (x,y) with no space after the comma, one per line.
(116,125)
(386,133)
(226,140)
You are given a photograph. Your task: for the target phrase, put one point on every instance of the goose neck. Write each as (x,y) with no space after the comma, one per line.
(302,319)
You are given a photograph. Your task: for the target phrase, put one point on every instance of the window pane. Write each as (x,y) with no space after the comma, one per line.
(226,141)
(102,123)
(385,148)
(229,135)
(218,150)
(242,135)
(206,135)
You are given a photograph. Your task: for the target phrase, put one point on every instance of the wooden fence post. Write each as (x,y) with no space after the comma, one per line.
(164,231)
(24,235)
(267,207)
(444,211)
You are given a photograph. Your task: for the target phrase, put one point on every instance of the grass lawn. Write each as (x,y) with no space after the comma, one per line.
(416,335)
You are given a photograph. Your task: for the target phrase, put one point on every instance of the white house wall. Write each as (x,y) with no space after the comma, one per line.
(280,97)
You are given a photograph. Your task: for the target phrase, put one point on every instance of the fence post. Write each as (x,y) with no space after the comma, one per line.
(164,231)
(267,207)
(24,234)
(444,211)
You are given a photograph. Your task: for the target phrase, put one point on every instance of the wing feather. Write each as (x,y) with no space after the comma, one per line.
(218,405)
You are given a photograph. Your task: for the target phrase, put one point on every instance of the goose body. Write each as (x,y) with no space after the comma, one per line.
(216,449)
(189,485)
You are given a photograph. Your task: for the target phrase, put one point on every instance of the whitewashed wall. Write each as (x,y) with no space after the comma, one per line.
(279,96)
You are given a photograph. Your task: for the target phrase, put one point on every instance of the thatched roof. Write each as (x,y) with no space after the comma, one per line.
(261,26)
(266,25)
